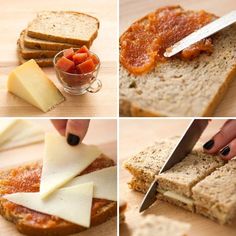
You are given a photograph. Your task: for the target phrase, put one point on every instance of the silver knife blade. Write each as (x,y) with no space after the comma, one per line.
(202,33)
(184,146)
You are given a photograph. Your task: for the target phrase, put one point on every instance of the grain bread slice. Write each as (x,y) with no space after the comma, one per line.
(27,179)
(215,196)
(161,226)
(28,53)
(42,62)
(64,26)
(182,88)
(41,44)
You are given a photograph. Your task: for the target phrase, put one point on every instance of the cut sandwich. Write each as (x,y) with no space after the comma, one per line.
(27,179)
(161,226)
(215,196)
(177,87)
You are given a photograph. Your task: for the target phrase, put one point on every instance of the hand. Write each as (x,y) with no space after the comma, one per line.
(224,142)
(73,129)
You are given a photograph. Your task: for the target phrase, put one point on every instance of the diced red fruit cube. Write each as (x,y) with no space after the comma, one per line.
(79,58)
(83,49)
(69,53)
(87,66)
(94,58)
(65,64)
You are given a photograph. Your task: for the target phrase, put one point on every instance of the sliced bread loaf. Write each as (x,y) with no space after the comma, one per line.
(28,53)
(182,88)
(65,27)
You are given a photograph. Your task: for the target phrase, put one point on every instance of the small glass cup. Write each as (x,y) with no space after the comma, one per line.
(78,84)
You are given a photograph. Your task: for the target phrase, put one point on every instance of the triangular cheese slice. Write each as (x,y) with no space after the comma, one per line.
(72,204)
(19,133)
(104,180)
(62,162)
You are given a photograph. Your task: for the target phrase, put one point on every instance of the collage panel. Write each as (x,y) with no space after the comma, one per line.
(51,186)
(174,183)
(59,58)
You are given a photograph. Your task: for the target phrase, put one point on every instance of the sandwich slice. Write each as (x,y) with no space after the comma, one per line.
(215,196)
(161,226)
(27,179)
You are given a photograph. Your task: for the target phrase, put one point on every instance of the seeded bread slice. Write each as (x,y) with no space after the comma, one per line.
(215,196)
(34,43)
(161,226)
(182,88)
(28,53)
(64,26)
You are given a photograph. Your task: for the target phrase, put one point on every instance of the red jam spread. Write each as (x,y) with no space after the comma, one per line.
(145,42)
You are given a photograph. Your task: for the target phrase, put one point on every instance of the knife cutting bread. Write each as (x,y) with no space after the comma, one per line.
(191,83)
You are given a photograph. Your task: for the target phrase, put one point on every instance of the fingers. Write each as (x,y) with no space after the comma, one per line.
(221,139)
(60,125)
(229,151)
(76,130)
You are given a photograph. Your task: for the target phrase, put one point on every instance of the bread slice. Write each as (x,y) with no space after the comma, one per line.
(28,53)
(27,179)
(147,163)
(64,26)
(161,226)
(42,62)
(215,196)
(41,44)
(139,185)
(182,88)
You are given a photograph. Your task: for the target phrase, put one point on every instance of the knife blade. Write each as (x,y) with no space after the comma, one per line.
(183,147)
(202,33)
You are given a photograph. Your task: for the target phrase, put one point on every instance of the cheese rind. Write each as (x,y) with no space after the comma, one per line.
(30,83)
(72,204)
(104,181)
(62,162)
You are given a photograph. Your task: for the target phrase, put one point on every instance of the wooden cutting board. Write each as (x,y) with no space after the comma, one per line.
(130,10)
(97,134)
(135,135)
(15,16)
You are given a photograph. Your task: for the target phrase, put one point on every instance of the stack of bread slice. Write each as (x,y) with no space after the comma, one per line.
(53,31)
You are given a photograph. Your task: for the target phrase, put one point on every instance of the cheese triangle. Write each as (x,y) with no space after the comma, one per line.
(72,204)
(104,180)
(15,133)
(62,162)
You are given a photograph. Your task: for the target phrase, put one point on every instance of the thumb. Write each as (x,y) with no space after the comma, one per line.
(76,130)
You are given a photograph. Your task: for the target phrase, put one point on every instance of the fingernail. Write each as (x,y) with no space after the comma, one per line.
(73,139)
(208,145)
(225,151)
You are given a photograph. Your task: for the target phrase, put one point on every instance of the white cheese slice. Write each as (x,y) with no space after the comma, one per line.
(72,204)
(62,162)
(30,83)
(19,133)
(178,197)
(104,181)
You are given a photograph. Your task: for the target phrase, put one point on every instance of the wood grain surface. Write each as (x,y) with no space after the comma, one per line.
(15,15)
(130,10)
(97,134)
(135,135)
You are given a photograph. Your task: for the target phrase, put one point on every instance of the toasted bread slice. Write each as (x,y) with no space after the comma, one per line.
(28,53)
(179,87)
(34,43)
(27,179)
(64,26)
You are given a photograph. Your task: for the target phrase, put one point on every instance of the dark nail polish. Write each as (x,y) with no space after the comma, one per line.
(208,145)
(225,151)
(73,139)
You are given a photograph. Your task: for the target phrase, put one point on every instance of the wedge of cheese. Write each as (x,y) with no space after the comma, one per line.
(72,204)
(30,83)
(104,181)
(62,162)
(18,132)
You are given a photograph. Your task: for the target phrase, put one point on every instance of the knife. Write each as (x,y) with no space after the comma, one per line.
(184,146)
(202,33)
